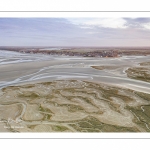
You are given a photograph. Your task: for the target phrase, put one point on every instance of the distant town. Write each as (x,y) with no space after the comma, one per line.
(83,52)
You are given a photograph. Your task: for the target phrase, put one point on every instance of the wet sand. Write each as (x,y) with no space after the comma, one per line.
(19,70)
(48,68)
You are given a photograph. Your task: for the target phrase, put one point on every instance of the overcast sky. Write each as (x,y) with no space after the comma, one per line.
(74,31)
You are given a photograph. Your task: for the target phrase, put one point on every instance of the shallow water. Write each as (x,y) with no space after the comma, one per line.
(16,68)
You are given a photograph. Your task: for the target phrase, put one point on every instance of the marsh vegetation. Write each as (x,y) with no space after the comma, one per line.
(74,106)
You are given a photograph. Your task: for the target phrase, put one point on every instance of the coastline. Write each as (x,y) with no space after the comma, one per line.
(55,87)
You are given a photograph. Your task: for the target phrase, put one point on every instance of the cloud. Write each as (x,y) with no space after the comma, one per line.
(146,25)
(100,22)
(74,31)
(108,23)
(137,20)
(138,23)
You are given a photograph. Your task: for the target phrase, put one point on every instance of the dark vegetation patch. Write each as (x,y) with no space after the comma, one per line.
(91,124)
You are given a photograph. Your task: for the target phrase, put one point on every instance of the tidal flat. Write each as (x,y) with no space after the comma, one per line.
(74,106)
(141,72)
(41,93)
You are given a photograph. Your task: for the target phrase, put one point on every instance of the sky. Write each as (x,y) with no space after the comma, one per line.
(95,32)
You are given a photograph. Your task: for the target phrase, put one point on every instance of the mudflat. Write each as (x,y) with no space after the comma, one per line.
(40,93)
(73,106)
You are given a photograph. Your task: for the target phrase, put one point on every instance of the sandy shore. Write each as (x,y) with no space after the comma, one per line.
(73,68)
(113,112)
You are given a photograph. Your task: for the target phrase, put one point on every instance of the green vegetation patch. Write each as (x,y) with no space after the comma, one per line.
(139,73)
(105,67)
(146,110)
(28,86)
(91,124)
(6,89)
(46,110)
(30,95)
(145,64)
(73,108)
(144,96)
(114,93)
(47,117)
(141,117)
(59,128)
